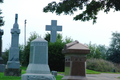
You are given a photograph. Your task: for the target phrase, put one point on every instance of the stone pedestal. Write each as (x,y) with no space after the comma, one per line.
(38,68)
(2,66)
(13,64)
(75,61)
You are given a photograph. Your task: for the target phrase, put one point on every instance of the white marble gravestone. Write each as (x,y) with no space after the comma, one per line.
(13,64)
(38,68)
(53,28)
(13,61)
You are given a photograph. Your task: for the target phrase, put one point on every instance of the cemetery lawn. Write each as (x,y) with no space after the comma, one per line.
(58,77)
(91,72)
(87,72)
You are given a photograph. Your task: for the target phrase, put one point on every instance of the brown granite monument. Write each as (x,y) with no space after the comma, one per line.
(75,61)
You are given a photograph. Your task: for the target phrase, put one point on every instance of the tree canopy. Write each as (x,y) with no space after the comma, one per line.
(113,53)
(90,8)
(1,1)
(1,18)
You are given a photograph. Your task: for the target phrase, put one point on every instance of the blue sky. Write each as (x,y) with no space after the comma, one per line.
(84,32)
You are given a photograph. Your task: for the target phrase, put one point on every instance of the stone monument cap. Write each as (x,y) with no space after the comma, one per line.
(76,47)
(39,40)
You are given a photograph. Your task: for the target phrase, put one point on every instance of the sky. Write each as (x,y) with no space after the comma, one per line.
(84,32)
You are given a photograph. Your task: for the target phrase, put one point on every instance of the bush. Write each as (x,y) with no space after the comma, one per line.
(5,56)
(101,65)
(55,56)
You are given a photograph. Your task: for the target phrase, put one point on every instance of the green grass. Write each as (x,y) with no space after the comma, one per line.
(91,72)
(58,77)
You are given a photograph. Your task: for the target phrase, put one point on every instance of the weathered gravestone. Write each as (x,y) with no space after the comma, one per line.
(13,63)
(2,66)
(38,68)
(53,28)
(75,61)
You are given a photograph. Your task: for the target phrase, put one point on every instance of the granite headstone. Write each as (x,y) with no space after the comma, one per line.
(53,28)
(75,61)
(13,64)
(38,68)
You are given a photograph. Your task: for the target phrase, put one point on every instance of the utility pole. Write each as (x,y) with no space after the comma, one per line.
(25,33)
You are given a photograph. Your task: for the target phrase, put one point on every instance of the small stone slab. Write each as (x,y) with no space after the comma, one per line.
(12,72)
(2,67)
(54,73)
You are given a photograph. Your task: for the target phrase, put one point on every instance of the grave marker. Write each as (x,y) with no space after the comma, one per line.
(38,68)
(13,64)
(75,61)
(53,28)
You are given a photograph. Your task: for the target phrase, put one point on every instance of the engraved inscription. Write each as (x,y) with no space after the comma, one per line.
(78,59)
(39,44)
(39,78)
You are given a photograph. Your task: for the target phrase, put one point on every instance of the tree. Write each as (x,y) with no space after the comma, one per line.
(113,53)
(1,18)
(47,37)
(103,50)
(90,8)
(1,1)
(97,51)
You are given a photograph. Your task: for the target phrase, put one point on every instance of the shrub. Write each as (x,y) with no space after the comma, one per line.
(101,65)
(55,56)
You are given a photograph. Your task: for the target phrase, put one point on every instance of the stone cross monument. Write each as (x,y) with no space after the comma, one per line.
(2,66)
(38,68)
(13,63)
(53,28)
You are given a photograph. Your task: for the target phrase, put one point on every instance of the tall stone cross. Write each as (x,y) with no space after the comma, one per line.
(53,28)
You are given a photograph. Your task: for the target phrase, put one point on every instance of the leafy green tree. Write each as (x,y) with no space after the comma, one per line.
(1,1)
(90,8)
(103,50)
(55,56)
(5,56)
(97,51)
(113,53)
(47,37)
(1,18)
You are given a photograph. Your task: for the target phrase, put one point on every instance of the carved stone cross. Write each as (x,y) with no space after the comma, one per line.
(53,28)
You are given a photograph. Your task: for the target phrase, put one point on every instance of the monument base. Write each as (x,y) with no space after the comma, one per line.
(74,78)
(29,76)
(12,72)
(13,64)
(2,67)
